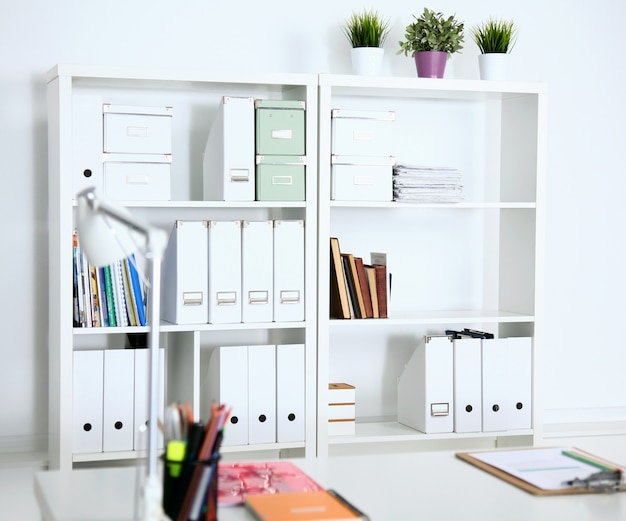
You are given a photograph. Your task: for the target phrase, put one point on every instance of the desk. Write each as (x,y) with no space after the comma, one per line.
(432,486)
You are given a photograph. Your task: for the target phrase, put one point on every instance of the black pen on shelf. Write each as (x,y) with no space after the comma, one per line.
(347,503)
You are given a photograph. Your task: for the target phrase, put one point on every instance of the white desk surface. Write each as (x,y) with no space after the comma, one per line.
(431,486)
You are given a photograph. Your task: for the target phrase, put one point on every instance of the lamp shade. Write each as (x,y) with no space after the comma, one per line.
(104,239)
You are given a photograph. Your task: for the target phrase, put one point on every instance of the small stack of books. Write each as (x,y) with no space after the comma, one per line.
(424,184)
(357,290)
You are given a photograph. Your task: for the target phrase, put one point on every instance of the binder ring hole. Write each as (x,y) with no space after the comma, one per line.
(495,408)
(262,418)
(87,172)
(234,420)
(519,406)
(468,408)
(118,425)
(291,417)
(87,427)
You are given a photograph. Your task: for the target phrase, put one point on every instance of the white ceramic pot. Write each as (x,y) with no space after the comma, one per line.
(367,61)
(494,66)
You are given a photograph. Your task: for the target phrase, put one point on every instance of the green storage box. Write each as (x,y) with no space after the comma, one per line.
(280,127)
(280,178)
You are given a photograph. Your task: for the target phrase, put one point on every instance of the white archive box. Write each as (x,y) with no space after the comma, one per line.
(261,394)
(362,132)
(185,274)
(137,130)
(88,395)
(362,178)
(224,254)
(290,399)
(288,271)
(257,271)
(118,402)
(425,387)
(87,136)
(229,157)
(132,177)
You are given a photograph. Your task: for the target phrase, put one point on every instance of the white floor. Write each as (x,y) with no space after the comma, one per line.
(17,500)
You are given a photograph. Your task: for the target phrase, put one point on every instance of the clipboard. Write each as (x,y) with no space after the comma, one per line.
(500,462)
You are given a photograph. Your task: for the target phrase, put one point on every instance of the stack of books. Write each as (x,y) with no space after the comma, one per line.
(107,296)
(357,290)
(424,184)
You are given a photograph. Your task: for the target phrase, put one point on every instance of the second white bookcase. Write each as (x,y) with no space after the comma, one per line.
(475,263)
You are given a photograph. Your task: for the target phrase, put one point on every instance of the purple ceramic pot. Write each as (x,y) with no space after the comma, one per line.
(430,64)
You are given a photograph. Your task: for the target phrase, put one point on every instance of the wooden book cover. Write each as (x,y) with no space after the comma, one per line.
(350,283)
(339,304)
(353,279)
(370,272)
(305,506)
(365,290)
(381,289)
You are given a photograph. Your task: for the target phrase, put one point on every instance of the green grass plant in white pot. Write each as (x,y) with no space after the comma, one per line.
(367,31)
(495,40)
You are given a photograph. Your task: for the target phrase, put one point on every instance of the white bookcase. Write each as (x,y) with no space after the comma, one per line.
(195,97)
(475,263)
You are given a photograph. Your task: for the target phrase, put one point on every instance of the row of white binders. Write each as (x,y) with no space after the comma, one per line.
(264,386)
(107,296)
(110,400)
(226,272)
(467,385)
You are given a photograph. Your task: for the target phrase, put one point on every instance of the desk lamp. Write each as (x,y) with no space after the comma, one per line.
(108,233)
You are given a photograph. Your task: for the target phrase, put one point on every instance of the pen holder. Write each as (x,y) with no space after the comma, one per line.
(190,488)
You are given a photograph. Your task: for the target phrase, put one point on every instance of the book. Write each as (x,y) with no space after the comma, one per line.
(120,295)
(370,273)
(352,284)
(110,297)
(365,291)
(323,505)
(357,286)
(381,289)
(131,304)
(238,480)
(339,305)
(139,304)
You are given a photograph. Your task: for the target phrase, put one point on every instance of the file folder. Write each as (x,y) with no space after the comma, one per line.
(425,388)
(288,271)
(229,156)
(185,274)
(224,253)
(495,384)
(141,412)
(257,271)
(87,167)
(519,382)
(262,394)
(88,380)
(227,382)
(118,405)
(467,385)
(290,381)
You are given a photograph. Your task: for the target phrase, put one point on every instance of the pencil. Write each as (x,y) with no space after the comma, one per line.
(588,460)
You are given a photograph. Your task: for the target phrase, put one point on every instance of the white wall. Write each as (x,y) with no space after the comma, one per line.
(577,47)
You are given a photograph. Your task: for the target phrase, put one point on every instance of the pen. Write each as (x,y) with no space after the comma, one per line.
(588,460)
(343,500)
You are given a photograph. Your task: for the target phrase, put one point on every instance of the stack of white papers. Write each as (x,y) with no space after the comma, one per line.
(427,184)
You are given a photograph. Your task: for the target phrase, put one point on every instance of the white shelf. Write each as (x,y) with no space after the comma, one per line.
(393,432)
(436,317)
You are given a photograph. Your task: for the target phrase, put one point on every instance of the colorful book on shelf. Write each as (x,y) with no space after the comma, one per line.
(131,305)
(238,480)
(110,297)
(139,303)
(339,304)
(364,286)
(323,505)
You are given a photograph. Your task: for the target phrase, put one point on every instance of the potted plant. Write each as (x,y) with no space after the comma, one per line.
(495,40)
(431,39)
(366,31)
